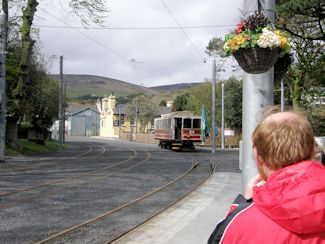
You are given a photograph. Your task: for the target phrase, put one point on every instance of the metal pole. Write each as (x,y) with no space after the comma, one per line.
(282,96)
(63,108)
(213,138)
(2,86)
(60,104)
(223,115)
(136,120)
(257,93)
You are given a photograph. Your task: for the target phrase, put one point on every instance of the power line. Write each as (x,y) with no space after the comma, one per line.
(90,38)
(135,28)
(171,14)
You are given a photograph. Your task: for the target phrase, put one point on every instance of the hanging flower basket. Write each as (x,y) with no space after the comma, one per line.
(256,60)
(255,45)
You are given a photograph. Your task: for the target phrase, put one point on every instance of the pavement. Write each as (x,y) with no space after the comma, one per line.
(193,219)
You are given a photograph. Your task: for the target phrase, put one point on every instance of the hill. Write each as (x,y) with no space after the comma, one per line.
(169,88)
(82,85)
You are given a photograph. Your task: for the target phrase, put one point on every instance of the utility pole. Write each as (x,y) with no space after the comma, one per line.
(257,93)
(213,138)
(63,108)
(61,113)
(136,120)
(2,85)
(223,115)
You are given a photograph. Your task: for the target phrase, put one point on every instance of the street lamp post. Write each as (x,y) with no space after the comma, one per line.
(61,110)
(257,93)
(223,115)
(213,138)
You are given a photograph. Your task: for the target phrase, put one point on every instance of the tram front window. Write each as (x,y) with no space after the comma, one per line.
(187,123)
(196,123)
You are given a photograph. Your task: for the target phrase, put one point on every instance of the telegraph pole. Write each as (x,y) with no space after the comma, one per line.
(257,93)
(63,108)
(223,115)
(213,138)
(61,115)
(2,85)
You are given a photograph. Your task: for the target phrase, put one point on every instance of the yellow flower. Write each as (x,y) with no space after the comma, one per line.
(277,32)
(283,39)
(233,45)
(284,42)
(239,40)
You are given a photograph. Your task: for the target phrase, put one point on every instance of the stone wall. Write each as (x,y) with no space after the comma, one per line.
(139,137)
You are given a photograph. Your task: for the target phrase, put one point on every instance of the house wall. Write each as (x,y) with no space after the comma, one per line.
(107,116)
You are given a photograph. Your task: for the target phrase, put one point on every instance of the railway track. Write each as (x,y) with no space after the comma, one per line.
(59,180)
(99,229)
(114,186)
(33,193)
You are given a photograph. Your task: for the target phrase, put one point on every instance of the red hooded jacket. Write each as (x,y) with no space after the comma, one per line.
(288,208)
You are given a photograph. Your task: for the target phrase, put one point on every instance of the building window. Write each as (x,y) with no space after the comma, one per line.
(122,119)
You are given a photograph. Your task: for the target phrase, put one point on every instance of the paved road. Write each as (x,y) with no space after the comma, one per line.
(42,195)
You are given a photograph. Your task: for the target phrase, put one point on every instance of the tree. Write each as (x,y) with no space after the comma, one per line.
(214,48)
(23,82)
(233,103)
(304,20)
(163,103)
(181,101)
(142,108)
(301,18)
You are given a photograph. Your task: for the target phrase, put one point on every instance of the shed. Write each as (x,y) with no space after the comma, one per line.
(83,123)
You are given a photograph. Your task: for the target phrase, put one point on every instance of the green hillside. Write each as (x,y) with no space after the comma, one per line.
(83,85)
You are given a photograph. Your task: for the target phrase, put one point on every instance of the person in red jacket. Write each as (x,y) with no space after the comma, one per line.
(285,203)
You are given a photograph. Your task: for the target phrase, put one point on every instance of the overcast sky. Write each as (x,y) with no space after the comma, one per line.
(144,45)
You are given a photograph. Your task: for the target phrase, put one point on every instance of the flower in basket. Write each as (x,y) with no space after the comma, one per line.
(255,34)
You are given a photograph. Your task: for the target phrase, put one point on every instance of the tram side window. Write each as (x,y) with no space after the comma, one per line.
(187,123)
(196,123)
(164,124)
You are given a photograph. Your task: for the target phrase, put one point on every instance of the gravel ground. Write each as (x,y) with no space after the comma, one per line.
(88,184)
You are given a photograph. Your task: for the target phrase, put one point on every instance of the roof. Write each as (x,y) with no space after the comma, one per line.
(120,109)
(78,112)
(123,109)
(76,107)
(181,114)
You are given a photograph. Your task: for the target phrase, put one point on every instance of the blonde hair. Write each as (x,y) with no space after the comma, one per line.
(284,141)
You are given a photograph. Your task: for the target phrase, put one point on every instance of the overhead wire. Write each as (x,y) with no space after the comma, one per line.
(132,61)
(135,28)
(87,36)
(181,28)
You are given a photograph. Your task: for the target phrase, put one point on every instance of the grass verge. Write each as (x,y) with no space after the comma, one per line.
(26,147)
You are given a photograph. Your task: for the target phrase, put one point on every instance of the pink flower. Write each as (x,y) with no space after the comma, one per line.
(240,27)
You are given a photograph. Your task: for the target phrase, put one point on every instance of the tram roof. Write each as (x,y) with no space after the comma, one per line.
(180,114)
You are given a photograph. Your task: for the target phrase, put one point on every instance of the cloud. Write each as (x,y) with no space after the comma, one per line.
(141,56)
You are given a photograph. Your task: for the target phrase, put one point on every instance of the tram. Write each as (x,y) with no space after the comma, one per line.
(178,130)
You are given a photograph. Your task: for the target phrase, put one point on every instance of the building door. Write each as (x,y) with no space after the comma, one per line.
(78,126)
